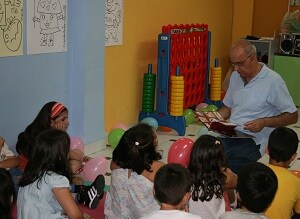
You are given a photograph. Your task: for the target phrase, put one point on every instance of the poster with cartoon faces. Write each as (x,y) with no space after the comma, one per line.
(113,22)
(46,26)
(11,23)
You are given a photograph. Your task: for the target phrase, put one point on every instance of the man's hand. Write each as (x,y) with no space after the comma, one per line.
(225,112)
(255,125)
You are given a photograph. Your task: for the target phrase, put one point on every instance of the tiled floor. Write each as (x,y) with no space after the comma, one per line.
(166,139)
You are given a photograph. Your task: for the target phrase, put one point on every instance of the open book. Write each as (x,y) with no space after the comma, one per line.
(216,123)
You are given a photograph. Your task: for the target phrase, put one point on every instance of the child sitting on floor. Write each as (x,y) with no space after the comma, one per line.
(172,188)
(44,186)
(53,115)
(134,164)
(256,187)
(282,148)
(211,178)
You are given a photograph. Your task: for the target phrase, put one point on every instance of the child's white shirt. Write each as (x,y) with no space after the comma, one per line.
(171,214)
(240,214)
(208,209)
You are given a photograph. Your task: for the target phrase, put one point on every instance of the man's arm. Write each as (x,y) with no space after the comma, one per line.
(281,120)
(225,112)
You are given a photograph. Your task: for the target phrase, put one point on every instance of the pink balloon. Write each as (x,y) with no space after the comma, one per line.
(121,126)
(77,143)
(94,167)
(180,151)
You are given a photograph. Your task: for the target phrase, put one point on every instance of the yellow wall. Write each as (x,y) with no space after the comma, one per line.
(242,19)
(126,64)
(258,18)
(267,17)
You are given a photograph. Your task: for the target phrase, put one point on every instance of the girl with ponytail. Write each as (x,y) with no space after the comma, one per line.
(134,165)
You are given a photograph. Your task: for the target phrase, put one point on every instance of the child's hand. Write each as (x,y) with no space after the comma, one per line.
(59,125)
(1,143)
(75,166)
(86,158)
(87,216)
(61,122)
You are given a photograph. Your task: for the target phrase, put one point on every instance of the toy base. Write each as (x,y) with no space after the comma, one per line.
(164,119)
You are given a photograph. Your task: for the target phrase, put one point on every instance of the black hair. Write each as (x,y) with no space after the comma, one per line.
(40,123)
(171,183)
(6,194)
(257,185)
(136,149)
(207,165)
(50,154)
(283,144)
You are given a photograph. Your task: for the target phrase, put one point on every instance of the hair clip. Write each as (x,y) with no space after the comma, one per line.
(217,142)
(136,143)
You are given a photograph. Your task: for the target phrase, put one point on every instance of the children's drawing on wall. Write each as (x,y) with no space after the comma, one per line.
(46,26)
(114,22)
(11,22)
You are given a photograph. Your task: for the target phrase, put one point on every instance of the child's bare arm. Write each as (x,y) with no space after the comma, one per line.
(76,154)
(87,216)
(231,180)
(10,162)
(1,142)
(113,165)
(68,203)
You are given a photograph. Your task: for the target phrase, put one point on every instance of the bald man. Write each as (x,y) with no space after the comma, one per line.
(257,100)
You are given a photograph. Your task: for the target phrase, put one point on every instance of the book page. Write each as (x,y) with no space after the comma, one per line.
(209,117)
(216,123)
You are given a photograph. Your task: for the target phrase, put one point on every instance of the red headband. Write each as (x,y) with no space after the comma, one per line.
(57,108)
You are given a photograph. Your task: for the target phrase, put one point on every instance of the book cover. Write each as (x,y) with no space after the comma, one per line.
(215,122)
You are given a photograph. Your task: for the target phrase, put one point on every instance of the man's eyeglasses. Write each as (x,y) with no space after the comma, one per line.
(240,63)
